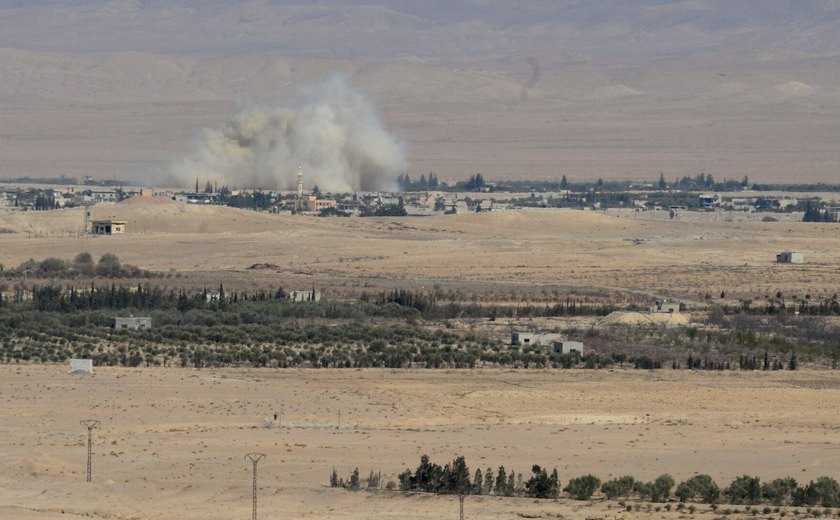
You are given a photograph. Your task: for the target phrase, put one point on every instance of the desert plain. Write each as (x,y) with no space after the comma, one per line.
(172,442)
(520,255)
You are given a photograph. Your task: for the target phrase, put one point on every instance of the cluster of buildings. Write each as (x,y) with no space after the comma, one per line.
(364,203)
(713,201)
(22,198)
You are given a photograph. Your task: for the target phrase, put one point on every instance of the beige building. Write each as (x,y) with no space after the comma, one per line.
(313,204)
(108,227)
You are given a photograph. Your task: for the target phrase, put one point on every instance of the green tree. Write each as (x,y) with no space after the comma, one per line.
(459,477)
(108,266)
(825,492)
(618,487)
(779,491)
(744,490)
(701,486)
(83,264)
(52,267)
(478,483)
(501,482)
(355,482)
(488,482)
(662,488)
(582,488)
(541,485)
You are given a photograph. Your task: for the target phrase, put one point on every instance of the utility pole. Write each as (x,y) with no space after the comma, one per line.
(339,421)
(461,500)
(255,458)
(90,424)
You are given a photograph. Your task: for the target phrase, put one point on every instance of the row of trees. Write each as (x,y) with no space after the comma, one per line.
(455,478)
(142,297)
(430,308)
(396,304)
(82,266)
(405,183)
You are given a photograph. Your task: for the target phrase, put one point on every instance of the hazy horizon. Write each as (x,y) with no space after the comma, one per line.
(618,89)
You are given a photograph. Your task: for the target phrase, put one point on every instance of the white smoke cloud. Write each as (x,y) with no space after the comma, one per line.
(333,132)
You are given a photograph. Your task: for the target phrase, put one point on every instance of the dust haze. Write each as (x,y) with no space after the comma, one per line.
(331,132)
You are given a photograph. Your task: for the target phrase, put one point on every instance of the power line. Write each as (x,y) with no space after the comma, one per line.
(90,424)
(255,458)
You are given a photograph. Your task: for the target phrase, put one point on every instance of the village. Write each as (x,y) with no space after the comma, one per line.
(407,200)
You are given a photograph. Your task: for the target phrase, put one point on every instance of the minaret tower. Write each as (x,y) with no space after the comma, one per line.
(300,182)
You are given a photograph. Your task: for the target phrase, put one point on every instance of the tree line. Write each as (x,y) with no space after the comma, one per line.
(82,266)
(456,478)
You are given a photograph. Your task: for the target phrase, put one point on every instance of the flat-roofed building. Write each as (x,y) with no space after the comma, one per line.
(108,227)
(132,323)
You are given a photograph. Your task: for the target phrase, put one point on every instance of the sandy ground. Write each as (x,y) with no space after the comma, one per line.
(172,442)
(544,253)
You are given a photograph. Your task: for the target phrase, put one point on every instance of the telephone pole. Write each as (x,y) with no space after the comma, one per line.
(90,424)
(461,500)
(255,458)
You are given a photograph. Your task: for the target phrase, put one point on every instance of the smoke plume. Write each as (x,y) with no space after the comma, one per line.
(332,132)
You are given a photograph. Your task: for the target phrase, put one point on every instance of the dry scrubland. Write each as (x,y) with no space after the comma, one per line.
(172,442)
(544,253)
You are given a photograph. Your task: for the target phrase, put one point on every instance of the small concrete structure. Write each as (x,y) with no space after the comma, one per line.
(108,227)
(534,339)
(305,296)
(790,257)
(81,366)
(567,347)
(709,201)
(666,307)
(132,323)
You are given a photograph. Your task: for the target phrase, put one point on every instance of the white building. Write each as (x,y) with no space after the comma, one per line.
(81,366)
(710,201)
(534,339)
(310,295)
(567,347)
(132,323)
(790,257)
